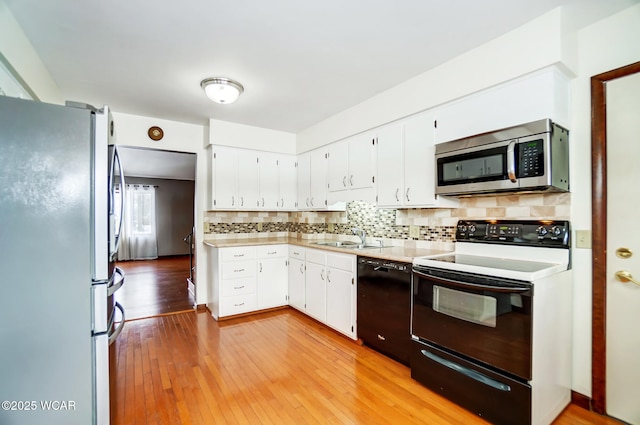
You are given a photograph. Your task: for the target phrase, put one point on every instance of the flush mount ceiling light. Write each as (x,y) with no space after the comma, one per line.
(222,90)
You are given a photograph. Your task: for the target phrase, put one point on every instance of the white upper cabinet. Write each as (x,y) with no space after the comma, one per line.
(390,170)
(543,94)
(248,179)
(287,182)
(361,161)
(318,179)
(304,180)
(338,166)
(245,179)
(351,169)
(224,186)
(269,181)
(406,165)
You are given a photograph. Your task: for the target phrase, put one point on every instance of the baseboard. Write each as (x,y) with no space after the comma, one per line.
(581,400)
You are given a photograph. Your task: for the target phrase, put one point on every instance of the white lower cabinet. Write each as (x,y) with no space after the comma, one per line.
(234,281)
(319,283)
(296,275)
(315,285)
(341,293)
(330,291)
(272,276)
(248,278)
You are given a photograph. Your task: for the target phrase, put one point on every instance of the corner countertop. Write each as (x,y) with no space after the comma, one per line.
(391,253)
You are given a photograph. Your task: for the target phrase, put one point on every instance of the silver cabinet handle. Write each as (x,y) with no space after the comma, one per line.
(302,268)
(344,181)
(238,287)
(397,191)
(322,274)
(351,180)
(307,201)
(263,202)
(242,201)
(407,194)
(312,201)
(233,201)
(282,199)
(329,276)
(261,267)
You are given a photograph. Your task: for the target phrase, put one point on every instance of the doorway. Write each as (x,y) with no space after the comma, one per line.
(160,284)
(602,379)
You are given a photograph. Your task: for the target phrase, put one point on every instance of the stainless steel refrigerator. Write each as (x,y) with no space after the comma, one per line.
(58,238)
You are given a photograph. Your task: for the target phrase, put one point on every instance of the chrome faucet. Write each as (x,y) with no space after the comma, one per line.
(360,233)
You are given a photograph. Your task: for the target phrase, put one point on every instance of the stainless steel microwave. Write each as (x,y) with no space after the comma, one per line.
(528,157)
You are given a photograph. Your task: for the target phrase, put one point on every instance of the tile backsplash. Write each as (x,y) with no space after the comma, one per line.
(435,227)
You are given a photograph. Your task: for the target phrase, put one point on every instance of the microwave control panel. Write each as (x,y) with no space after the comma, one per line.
(531,158)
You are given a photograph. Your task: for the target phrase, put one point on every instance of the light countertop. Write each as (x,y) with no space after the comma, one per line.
(391,253)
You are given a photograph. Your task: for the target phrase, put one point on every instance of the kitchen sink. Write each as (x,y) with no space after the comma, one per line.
(347,245)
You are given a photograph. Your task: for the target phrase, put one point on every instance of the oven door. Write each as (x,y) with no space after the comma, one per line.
(481,318)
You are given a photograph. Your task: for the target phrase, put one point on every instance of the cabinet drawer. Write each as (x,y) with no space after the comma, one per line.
(271,251)
(238,253)
(238,269)
(341,261)
(233,287)
(316,256)
(238,304)
(296,252)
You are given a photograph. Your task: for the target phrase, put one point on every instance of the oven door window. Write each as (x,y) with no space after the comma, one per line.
(492,326)
(474,308)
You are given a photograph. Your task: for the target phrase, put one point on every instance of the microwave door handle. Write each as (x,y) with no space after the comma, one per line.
(511,161)
(473,286)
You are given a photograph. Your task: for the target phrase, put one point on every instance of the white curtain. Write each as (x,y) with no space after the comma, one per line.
(138,239)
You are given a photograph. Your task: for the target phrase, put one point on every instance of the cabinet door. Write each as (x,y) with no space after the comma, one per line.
(315,291)
(225,178)
(419,161)
(269,182)
(318,167)
(390,166)
(248,179)
(340,296)
(304,181)
(287,182)
(272,282)
(361,161)
(296,283)
(338,166)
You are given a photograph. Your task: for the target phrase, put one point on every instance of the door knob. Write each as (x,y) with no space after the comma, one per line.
(625,276)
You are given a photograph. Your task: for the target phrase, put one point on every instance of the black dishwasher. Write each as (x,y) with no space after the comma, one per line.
(384,306)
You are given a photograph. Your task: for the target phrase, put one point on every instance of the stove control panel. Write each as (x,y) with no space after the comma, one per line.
(551,233)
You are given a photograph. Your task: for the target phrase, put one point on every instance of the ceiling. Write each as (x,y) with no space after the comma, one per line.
(299,61)
(157,164)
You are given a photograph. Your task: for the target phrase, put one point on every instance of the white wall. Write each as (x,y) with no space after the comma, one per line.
(608,44)
(249,137)
(131,130)
(17,49)
(533,46)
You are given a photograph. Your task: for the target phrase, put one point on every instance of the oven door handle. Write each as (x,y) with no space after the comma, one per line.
(473,286)
(480,377)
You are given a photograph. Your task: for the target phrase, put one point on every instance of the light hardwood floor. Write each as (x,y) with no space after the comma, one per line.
(155,287)
(278,367)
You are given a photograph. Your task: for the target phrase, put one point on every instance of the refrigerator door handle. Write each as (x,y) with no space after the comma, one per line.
(115,237)
(115,284)
(114,333)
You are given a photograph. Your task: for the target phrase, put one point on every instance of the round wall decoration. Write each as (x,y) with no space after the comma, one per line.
(155,133)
